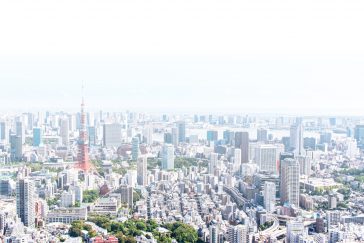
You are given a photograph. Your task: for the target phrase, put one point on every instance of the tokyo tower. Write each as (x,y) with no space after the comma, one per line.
(83,156)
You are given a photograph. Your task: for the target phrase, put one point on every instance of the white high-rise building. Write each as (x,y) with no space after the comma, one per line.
(214,160)
(267,156)
(68,199)
(269,196)
(64,131)
(112,135)
(237,159)
(295,228)
(25,203)
(305,165)
(214,234)
(148,135)
(168,157)
(296,138)
(135,151)
(175,136)
(290,182)
(238,234)
(142,170)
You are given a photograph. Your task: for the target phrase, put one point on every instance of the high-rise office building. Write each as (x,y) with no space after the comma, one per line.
(92,137)
(296,138)
(267,156)
(269,193)
(25,204)
(167,157)
(64,131)
(175,136)
(238,234)
(212,136)
(168,137)
(16,148)
(295,228)
(305,165)
(242,142)
(127,195)
(148,135)
(20,131)
(37,136)
(181,131)
(135,151)
(4,132)
(237,159)
(262,135)
(214,234)
(290,182)
(112,135)
(214,160)
(359,135)
(142,169)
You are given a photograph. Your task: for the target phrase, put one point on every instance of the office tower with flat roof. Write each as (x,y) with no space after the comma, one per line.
(269,193)
(92,137)
(237,159)
(135,151)
(290,182)
(127,195)
(168,157)
(20,131)
(16,148)
(262,135)
(25,204)
(305,165)
(212,135)
(296,138)
(267,156)
(112,135)
(181,125)
(37,136)
(148,135)
(242,142)
(175,136)
(142,169)
(4,132)
(64,131)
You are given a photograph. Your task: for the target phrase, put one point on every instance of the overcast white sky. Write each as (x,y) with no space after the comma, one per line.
(295,57)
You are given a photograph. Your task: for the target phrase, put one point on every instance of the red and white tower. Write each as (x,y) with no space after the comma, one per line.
(83,156)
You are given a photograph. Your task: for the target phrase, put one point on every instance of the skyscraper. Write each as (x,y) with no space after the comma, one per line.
(112,135)
(135,148)
(238,234)
(142,170)
(214,159)
(4,131)
(64,131)
(167,157)
(175,136)
(237,159)
(148,134)
(290,182)
(127,195)
(181,131)
(262,135)
(242,142)
(296,138)
(267,156)
(25,205)
(305,165)
(92,135)
(37,136)
(16,148)
(20,131)
(269,193)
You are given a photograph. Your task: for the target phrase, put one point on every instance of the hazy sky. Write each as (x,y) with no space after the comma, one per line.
(249,56)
